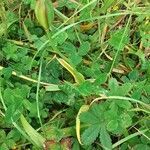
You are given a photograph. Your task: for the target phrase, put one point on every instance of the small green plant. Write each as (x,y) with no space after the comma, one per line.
(74,74)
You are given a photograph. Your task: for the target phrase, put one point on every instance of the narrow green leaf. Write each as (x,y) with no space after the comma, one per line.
(105,139)
(128,138)
(44,13)
(83,108)
(27,33)
(50,12)
(77,76)
(33,134)
(40,12)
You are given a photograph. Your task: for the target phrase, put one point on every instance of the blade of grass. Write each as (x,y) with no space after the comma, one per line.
(92,19)
(49,121)
(40,48)
(85,6)
(62,16)
(37,92)
(119,47)
(28,79)
(128,138)
(33,134)
(143,134)
(139,109)
(21,131)
(34,137)
(27,33)
(2,100)
(79,78)
(2,114)
(83,108)
(121,98)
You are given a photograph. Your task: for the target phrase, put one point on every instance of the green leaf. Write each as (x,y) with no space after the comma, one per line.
(50,12)
(112,125)
(124,89)
(87,88)
(90,134)
(75,59)
(83,108)
(52,87)
(44,13)
(141,146)
(14,103)
(79,78)
(4,146)
(76,145)
(94,118)
(89,118)
(101,79)
(116,39)
(7,23)
(124,104)
(11,143)
(145,38)
(84,48)
(125,120)
(12,112)
(113,84)
(95,115)
(105,139)
(61,38)
(34,135)
(3,135)
(115,89)
(69,48)
(14,134)
(86,13)
(7,72)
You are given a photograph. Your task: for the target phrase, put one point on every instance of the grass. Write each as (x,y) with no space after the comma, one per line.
(78,80)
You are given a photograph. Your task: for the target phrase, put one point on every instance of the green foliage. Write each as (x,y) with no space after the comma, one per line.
(112,116)
(57,57)
(105,139)
(115,89)
(117,40)
(84,49)
(8,140)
